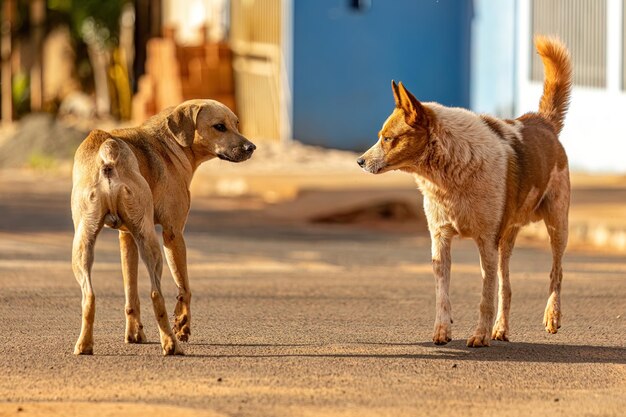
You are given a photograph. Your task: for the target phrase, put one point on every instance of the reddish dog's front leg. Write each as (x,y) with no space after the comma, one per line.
(441,260)
(489,266)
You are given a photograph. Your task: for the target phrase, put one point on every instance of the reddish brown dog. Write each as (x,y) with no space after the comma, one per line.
(484,178)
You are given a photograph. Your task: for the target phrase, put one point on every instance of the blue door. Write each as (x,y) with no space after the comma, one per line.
(346,52)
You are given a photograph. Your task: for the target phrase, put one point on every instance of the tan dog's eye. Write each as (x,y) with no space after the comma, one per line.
(220,127)
(387,139)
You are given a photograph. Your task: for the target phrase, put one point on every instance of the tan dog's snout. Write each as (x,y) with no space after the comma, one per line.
(238,150)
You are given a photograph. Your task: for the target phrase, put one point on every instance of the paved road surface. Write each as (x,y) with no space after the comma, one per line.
(295,319)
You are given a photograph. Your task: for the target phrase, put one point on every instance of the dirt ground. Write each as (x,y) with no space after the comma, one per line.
(292,318)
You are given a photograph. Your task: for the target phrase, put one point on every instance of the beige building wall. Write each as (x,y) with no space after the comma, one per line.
(256,42)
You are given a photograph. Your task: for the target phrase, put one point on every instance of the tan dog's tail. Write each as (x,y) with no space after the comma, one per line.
(109,153)
(557,85)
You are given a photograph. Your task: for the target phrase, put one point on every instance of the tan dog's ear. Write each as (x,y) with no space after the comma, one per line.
(182,123)
(396,94)
(413,109)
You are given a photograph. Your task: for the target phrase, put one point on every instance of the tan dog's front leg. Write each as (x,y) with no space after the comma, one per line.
(489,266)
(441,260)
(134,328)
(176,255)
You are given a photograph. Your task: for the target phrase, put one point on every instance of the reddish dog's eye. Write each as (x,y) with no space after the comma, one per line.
(220,127)
(387,139)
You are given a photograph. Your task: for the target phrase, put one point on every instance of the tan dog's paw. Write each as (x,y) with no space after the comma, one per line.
(181,328)
(171,347)
(442,334)
(500,332)
(183,334)
(83,348)
(137,336)
(480,338)
(552,318)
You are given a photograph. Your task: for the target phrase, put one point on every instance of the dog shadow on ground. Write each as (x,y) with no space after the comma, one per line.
(455,351)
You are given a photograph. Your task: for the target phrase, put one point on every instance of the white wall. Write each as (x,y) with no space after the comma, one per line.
(189,15)
(595,128)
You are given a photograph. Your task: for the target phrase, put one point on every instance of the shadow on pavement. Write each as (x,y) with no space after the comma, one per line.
(455,350)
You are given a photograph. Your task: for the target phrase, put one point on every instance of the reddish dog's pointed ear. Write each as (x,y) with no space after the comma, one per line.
(413,109)
(396,94)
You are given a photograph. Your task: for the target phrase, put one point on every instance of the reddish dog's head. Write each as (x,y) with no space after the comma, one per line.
(403,137)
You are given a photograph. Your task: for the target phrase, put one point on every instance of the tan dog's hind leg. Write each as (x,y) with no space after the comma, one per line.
(556,219)
(501,327)
(134,328)
(138,211)
(150,251)
(489,265)
(176,255)
(441,260)
(82,261)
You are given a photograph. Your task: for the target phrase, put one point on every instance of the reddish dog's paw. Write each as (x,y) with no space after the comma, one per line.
(552,315)
(500,335)
(552,318)
(442,334)
(500,332)
(480,338)
(83,349)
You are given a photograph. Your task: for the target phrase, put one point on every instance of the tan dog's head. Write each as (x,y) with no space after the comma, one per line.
(210,129)
(403,137)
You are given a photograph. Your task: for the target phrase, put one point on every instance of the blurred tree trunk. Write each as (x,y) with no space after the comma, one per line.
(119,83)
(148,16)
(8,13)
(100,60)
(37,19)
(121,67)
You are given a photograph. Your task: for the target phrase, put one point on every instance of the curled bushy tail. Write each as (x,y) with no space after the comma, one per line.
(557,84)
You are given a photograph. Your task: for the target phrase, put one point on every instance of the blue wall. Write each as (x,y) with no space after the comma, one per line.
(493,57)
(344,62)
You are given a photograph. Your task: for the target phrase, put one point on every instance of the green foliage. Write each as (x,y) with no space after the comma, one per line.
(96,22)
(41,162)
(21,92)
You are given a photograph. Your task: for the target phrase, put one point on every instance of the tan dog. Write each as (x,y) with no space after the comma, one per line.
(485,178)
(133,179)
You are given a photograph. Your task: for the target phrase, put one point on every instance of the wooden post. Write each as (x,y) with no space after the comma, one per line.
(5,53)
(37,18)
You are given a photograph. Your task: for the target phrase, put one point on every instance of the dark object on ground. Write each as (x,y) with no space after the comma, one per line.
(391,211)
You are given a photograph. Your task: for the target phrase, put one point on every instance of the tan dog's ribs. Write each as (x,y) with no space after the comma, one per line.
(131,180)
